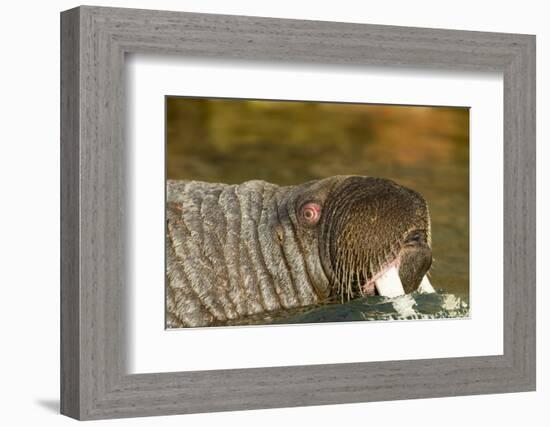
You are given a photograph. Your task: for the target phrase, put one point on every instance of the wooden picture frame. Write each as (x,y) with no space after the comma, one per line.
(94,382)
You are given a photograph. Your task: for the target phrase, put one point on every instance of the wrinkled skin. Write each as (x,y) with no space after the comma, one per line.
(249,251)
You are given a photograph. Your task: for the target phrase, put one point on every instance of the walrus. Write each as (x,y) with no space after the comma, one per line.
(243,252)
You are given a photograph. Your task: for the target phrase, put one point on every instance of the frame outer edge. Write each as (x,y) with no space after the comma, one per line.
(520,216)
(70,396)
(531,107)
(526,268)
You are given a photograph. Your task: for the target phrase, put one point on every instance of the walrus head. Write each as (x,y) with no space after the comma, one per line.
(369,232)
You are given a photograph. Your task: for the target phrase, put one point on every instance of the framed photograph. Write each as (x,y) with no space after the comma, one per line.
(262,213)
(321,245)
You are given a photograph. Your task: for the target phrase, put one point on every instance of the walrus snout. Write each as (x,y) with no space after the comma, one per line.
(415,260)
(377,237)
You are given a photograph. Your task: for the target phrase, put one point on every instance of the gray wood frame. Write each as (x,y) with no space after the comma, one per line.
(94,41)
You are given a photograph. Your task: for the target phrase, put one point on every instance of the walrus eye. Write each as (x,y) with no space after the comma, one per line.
(311,213)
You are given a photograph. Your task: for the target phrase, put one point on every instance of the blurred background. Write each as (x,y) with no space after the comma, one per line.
(289,142)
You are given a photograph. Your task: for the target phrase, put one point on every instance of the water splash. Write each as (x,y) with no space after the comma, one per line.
(415,306)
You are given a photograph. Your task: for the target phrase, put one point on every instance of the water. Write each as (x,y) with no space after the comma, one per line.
(424,148)
(415,306)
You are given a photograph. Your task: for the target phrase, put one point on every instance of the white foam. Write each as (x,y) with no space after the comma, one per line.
(404,304)
(451,302)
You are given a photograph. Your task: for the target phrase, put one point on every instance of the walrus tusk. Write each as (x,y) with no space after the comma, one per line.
(425,286)
(389,284)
